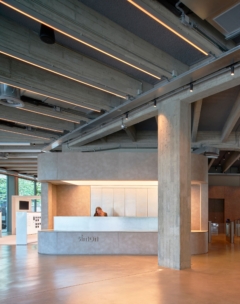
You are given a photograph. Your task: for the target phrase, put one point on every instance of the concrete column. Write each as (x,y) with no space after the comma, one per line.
(174,196)
(12,189)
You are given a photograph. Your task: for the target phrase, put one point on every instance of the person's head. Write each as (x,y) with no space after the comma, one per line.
(99,211)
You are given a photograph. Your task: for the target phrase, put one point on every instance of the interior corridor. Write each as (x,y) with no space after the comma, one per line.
(27,277)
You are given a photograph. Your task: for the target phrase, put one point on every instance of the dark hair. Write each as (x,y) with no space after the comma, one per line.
(96,214)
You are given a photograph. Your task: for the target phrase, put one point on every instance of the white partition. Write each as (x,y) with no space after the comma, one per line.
(107,200)
(96,199)
(130,202)
(142,202)
(125,201)
(153,201)
(118,199)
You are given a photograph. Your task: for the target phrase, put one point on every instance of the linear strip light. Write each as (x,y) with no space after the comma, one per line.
(60,74)
(15,144)
(81,41)
(30,125)
(44,114)
(72,103)
(24,134)
(168,27)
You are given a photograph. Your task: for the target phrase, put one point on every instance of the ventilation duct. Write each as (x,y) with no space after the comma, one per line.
(10,96)
(209,152)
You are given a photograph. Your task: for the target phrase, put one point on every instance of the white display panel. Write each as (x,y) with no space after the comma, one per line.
(33,222)
(26,223)
(21,228)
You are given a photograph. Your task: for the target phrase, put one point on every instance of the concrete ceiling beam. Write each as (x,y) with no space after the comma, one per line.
(34,120)
(51,112)
(230,161)
(204,89)
(23,44)
(69,93)
(131,133)
(22,155)
(18,161)
(29,135)
(77,20)
(163,14)
(18,165)
(231,120)
(210,163)
(196,118)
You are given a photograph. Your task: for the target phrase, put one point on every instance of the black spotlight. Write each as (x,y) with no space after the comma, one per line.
(47,34)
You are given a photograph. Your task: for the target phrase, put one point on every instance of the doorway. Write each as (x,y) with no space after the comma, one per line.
(216,213)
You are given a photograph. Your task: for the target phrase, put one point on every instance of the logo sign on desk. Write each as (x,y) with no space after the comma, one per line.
(89,239)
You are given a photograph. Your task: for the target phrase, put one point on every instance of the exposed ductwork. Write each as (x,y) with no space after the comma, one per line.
(209,152)
(10,96)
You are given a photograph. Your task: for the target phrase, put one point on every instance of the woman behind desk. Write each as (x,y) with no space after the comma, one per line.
(100,212)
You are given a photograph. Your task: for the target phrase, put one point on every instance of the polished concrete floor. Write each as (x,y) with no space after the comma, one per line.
(26,277)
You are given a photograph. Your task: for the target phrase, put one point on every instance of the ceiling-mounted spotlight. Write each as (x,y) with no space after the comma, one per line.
(47,34)
(122,125)
(155,103)
(127,116)
(232,70)
(191,87)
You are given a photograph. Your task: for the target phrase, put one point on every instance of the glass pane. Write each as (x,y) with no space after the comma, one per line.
(25,187)
(38,188)
(3,200)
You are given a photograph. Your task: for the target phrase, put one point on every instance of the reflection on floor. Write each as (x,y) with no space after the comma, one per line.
(11,239)
(27,277)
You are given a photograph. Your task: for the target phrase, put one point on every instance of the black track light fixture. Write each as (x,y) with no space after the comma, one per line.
(155,103)
(191,87)
(127,116)
(232,70)
(47,34)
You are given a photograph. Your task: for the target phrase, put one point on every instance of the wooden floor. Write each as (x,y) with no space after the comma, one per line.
(26,277)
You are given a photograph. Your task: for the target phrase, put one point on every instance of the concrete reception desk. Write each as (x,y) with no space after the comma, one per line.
(108,235)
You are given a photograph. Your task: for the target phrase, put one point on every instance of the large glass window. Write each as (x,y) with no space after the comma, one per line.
(25,187)
(3,200)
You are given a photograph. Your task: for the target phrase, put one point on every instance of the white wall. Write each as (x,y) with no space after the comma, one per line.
(125,201)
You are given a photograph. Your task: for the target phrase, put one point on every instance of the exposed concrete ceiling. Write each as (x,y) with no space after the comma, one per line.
(109,59)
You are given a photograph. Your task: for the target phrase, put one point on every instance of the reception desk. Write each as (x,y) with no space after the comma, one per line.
(108,235)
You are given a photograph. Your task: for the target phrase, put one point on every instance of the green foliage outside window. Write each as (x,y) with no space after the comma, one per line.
(25,187)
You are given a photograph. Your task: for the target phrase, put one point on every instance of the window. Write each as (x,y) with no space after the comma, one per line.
(3,200)
(25,187)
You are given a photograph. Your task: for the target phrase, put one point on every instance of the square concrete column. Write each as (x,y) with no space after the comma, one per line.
(174,185)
